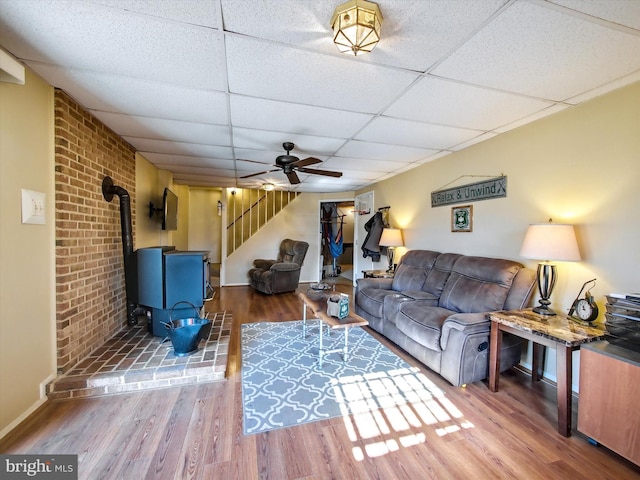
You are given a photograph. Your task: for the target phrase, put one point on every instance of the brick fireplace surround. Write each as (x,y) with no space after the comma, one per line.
(90,288)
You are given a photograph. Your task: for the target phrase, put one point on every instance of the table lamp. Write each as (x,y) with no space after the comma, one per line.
(391,238)
(549,242)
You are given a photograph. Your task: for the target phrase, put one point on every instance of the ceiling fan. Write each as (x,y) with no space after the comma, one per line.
(289,164)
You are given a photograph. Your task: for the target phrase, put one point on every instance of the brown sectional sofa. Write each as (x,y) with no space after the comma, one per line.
(435,308)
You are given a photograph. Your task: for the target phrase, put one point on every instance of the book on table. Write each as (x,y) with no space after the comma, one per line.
(631,297)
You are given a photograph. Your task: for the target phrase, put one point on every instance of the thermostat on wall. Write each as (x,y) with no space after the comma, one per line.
(32,206)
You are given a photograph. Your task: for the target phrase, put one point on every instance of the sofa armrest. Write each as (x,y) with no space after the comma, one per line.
(377,283)
(467,323)
(263,264)
(285,267)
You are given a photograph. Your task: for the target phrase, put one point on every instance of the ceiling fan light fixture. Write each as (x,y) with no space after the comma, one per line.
(356,26)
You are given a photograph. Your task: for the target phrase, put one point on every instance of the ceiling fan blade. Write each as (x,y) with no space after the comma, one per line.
(260,173)
(306,161)
(251,161)
(326,173)
(293,178)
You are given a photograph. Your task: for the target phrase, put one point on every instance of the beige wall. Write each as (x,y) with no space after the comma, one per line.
(204,223)
(300,220)
(150,185)
(580,166)
(148,189)
(27,274)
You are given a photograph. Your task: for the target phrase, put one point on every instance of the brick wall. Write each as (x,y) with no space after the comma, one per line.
(90,288)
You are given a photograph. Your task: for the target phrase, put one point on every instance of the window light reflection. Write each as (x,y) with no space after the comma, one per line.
(385,404)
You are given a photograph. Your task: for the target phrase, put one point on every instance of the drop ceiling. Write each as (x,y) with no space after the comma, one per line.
(210,89)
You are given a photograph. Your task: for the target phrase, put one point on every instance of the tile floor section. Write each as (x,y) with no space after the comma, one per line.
(133,359)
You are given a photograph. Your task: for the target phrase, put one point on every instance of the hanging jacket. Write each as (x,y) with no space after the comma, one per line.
(371,245)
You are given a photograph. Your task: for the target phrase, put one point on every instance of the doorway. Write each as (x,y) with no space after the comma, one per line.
(337,242)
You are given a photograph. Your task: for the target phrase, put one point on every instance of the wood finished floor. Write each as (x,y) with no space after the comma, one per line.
(196,431)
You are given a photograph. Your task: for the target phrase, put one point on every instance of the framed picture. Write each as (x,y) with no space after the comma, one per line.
(462,218)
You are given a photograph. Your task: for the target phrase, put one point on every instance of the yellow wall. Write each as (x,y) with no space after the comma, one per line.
(300,220)
(27,256)
(204,222)
(580,166)
(150,185)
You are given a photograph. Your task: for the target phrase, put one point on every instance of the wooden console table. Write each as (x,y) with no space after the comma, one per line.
(318,305)
(559,332)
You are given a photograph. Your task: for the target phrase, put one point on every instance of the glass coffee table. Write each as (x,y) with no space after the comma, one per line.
(318,306)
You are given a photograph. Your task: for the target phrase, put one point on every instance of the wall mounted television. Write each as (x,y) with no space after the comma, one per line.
(169,210)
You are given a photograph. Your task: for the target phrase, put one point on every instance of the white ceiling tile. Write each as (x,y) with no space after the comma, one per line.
(217,98)
(417,35)
(112,41)
(537,51)
(336,163)
(359,175)
(296,23)
(98,91)
(406,28)
(200,12)
(179,148)
(258,113)
(288,74)
(305,145)
(182,160)
(609,87)
(531,118)
(382,151)
(265,157)
(214,171)
(414,134)
(447,102)
(473,141)
(161,129)
(623,12)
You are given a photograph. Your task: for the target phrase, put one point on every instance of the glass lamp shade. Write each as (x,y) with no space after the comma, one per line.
(549,241)
(356,26)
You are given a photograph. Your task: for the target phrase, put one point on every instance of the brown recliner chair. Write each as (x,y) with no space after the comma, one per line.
(280,275)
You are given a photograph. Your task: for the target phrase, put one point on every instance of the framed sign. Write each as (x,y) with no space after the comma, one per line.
(462,218)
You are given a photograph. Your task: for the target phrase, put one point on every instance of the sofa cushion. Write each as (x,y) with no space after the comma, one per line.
(422,323)
(392,303)
(371,300)
(478,284)
(440,272)
(414,267)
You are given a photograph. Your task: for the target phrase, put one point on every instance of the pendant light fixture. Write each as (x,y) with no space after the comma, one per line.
(356,26)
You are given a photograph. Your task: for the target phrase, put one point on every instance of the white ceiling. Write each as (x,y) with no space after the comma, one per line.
(210,89)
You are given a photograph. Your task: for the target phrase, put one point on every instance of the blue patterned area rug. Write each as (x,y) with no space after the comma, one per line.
(283,386)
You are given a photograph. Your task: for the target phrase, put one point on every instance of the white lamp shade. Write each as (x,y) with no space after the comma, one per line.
(391,237)
(550,241)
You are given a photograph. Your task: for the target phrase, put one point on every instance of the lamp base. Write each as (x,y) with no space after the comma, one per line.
(544,310)
(390,255)
(547,275)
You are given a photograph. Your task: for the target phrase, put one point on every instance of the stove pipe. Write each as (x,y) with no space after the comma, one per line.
(130,270)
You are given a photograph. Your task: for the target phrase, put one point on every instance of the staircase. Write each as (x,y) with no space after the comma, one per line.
(250,210)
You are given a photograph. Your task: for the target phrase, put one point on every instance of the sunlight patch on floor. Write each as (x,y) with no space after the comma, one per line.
(386,404)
